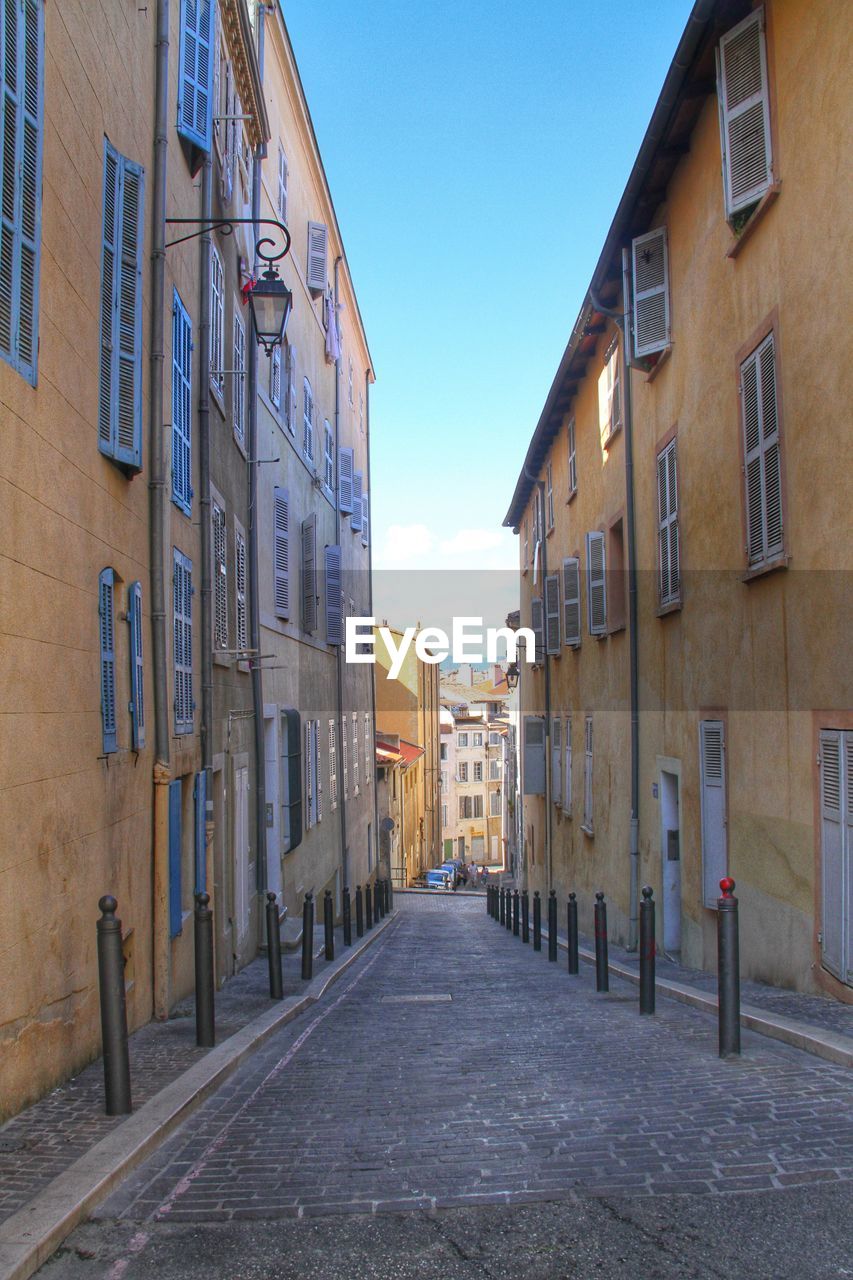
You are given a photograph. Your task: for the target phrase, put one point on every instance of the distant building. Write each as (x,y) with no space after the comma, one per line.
(473,798)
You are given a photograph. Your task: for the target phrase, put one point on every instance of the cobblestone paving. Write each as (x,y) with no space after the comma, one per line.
(525,1086)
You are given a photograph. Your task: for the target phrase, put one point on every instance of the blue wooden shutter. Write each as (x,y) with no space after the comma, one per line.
(182,347)
(200,798)
(175,893)
(120,386)
(106,622)
(137,700)
(182,592)
(21,86)
(356,516)
(281,553)
(195,84)
(334,602)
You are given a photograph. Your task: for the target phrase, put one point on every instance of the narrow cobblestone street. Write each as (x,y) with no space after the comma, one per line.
(457,1073)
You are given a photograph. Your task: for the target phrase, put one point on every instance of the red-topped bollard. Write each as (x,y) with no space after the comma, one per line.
(728,970)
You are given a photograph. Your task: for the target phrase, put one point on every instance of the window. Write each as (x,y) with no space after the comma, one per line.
(333,765)
(120,382)
(355,752)
(762,455)
(313,787)
(444,780)
(567,768)
(345,757)
(537,623)
(609,397)
(290,780)
(357,509)
(275,376)
(533,760)
(494,739)
(217,322)
(549,496)
(443,751)
(669,578)
(282,184)
(281,552)
(477,740)
(345,468)
(463,771)
(22,87)
(573,461)
(744,104)
(220,578)
(616,577)
(182,630)
(465,810)
(525,545)
(182,363)
(290,392)
(368,750)
(137,700)
(572,602)
(712,778)
(494,804)
(462,739)
(587,776)
(315,276)
(307,420)
(309,573)
(596,590)
(556,761)
(334,598)
(651,293)
(328,459)
(238,392)
(365,520)
(552,613)
(836,846)
(240,588)
(444,815)
(477,807)
(106,627)
(478,771)
(494,770)
(195,83)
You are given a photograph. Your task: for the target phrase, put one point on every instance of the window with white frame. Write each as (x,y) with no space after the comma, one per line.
(275,376)
(368,750)
(549,495)
(217,322)
(494,739)
(669,579)
(762,455)
(494,804)
(462,739)
(587,776)
(478,771)
(573,461)
(240,588)
(567,768)
(463,771)
(328,458)
(238,392)
(609,395)
(744,103)
(307,420)
(494,770)
(220,578)
(477,807)
(476,740)
(313,812)
(355,753)
(556,761)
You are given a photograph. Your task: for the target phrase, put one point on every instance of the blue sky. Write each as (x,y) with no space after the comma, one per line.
(476,152)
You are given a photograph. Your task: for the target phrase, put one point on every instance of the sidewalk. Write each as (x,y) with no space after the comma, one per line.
(67,1137)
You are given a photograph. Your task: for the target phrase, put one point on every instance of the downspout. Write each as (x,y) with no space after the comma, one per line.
(253,594)
(157,536)
(339,657)
(540,485)
(370,614)
(206,734)
(622,319)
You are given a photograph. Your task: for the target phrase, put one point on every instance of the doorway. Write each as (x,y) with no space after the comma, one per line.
(670,861)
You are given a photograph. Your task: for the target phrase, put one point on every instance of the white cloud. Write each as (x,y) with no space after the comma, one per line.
(418,547)
(405,543)
(465,540)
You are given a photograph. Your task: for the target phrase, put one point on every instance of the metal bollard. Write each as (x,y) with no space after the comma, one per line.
(347,915)
(359,913)
(495,896)
(647,951)
(113,1011)
(509,909)
(205,1030)
(552,925)
(379,900)
(572,929)
(728,970)
(368,906)
(383,905)
(488,899)
(390,894)
(537,921)
(308,937)
(274,947)
(515,913)
(502,907)
(329,924)
(602,973)
(386,889)
(525,916)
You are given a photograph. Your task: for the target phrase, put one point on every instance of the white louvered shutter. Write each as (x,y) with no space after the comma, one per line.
(556,761)
(291,389)
(282,184)
(832,848)
(651,292)
(552,613)
(333,765)
(317,250)
(712,767)
(762,457)
(538,626)
(572,601)
(275,376)
(334,599)
(309,573)
(534,756)
(365,520)
(355,521)
(345,472)
(281,552)
(220,579)
(596,590)
(567,768)
(240,590)
(744,113)
(587,774)
(669,578)
(106,627)
(309,777)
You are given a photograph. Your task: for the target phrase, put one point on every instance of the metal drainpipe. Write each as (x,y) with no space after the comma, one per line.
(206,734)
(339,657)
(157,514)
(376,833)
(253,594)
(623,321)
(540,485)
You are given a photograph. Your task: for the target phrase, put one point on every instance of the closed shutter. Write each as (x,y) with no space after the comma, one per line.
(120,381)
(291,389)
(291,780)
(317,248)
(572,601)
(309,573)
(651,292)
(333,765)
(281,552)
(175,851)
(182,593)
(315,735)
(220,579)
(22,87)
(307,420)
(355,520)
(345,757)
(182,348)
(534,756)
(567,768)
(345,470)
(596,594)
(137,688)
(240,590)
(309,778)
(744,113)
(556,761)
(106,626)
(712,769)
(195,72)
(832,828)
(200,805)
(537,624)
(669,577)
(762,456)
(282,184)
(365,520)
(368,750)
(552,613)
(275,376)
(238,384)
(355,782)
(573,461)
(334,602)
(587,775)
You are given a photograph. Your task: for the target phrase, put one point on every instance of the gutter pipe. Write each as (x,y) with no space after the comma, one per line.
(540,485)
(339,657)
(376,833)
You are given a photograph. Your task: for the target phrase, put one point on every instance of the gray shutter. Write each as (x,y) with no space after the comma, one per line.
(309,573)
(571,602)
(712,767)
(651,292)
(762,458)
(534,756)
(537,625)
(669,583)
(355,520)
(137,683)
(334,610)
(744,113)
(317,249)
(567,768)
(556,760)
(291,408)
(220,579)
(281,552)
(832,832)
(365,520)
(345,469)
(275,376)
(596,592)
(106,626)
(552,613)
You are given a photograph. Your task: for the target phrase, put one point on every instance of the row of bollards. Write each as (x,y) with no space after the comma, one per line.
(374,902)
(511,909)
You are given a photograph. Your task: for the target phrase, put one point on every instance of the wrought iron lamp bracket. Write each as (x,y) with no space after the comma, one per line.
(227,225)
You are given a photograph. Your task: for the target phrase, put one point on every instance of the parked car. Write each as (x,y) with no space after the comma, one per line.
(457,869)
(438,878)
